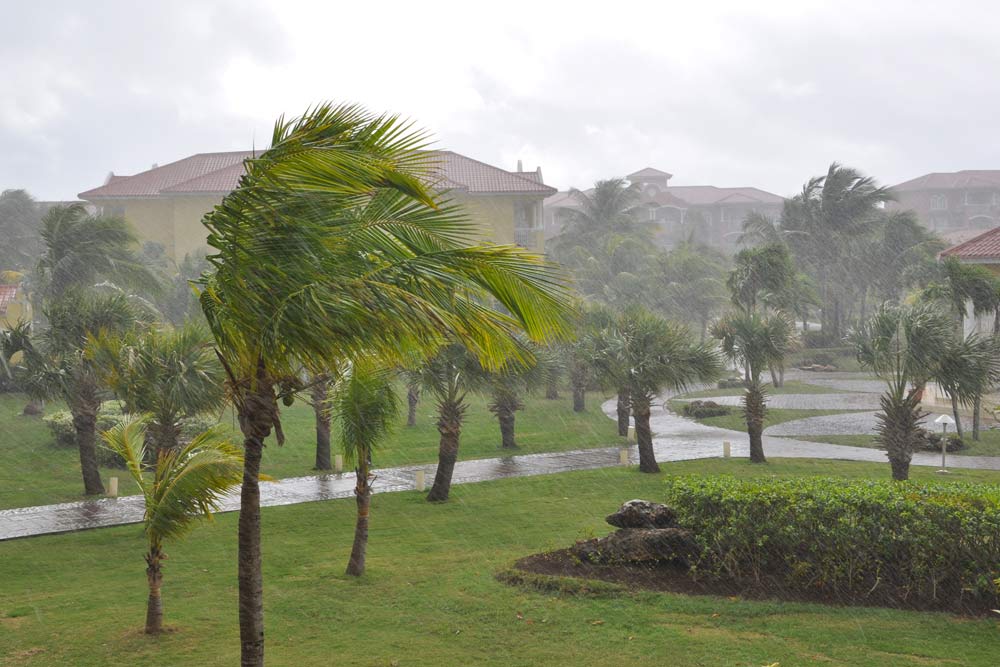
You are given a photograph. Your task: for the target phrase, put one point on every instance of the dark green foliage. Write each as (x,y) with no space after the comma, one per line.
(922,545)
(19,228)
(705,409)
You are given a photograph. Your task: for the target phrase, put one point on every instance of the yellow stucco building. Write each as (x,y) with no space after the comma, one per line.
(166,204)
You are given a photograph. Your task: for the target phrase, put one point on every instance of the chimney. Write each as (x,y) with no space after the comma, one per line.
(154,166)
(538,170)
(520,167)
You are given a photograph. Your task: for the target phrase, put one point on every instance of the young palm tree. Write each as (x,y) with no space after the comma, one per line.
(507,386)
(333,248)
(649,353)
(969,368)
(449,376)
(171,374)
(183,485)
(365,407)
(903,345)
(755,342)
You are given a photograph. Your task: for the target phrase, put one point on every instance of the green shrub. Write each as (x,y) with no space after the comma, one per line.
(905,544)
(732,383)
(704,409)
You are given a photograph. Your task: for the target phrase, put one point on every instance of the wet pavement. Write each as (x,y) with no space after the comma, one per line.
(675,439)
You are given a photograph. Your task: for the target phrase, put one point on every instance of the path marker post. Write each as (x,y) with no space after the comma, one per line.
(944,420)
(727,449)
(113,487)
(338,464)
(623,455)
(419,480)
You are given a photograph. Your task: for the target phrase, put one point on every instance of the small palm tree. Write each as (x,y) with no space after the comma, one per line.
(183,485)
(969,368)
(648,354)
(365,407)
(449,376)
(507,386)
(903,345)
(755,342)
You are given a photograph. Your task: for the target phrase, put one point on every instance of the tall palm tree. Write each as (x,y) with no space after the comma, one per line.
(365,407)
(57,365)
(332,248)
(183,485)
(610,207)
(657,354)
(904,346)
(449,376)
(171,374)
(78,249)
(755,342)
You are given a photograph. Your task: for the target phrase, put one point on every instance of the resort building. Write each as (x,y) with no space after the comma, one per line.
(956,205)
(983,250)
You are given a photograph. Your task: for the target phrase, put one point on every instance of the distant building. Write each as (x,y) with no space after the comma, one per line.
(983,250)
(953,204)
(166,204)
(711,214)
(14,303)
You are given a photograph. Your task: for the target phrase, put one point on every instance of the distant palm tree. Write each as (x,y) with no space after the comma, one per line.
(171,374)
(755,342)
(969,368)
(184,484)
(649,353)
(365,407)
(508,386)
(333,248)
(904,346)
(609,208)
(320,399)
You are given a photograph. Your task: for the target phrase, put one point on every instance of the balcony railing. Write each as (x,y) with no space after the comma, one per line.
(524,237)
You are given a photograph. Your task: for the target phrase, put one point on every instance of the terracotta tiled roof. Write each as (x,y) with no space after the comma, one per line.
(703,195)
(219,173)
(984,246)
(969,178)
(648,173)
(7,294)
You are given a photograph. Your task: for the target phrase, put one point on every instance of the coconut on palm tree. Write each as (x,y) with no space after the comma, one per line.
(184,484)
(904,346)
(755,342)
(333,248)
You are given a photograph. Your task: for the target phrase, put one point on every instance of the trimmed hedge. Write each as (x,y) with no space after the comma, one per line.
(704,409)
(930,546)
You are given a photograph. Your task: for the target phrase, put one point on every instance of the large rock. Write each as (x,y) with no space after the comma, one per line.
(643,514)
(640,545)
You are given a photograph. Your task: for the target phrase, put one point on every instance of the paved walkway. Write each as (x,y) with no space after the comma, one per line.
(675,439)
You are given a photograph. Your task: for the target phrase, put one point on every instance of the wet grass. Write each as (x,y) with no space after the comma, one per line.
(988,445)
(430,596)
(34,471)
(790,387)
(735,422)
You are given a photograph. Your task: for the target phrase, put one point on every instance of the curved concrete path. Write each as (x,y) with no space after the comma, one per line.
(675,439)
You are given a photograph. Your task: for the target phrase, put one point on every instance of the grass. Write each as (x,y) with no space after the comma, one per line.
(988,445)
(735,422)
(790,387)
(34,471)
(430,597)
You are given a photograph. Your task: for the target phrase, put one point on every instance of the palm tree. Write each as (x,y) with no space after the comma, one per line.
(333,248)
(365,407)
(964,286)
(13,341)
(903,345)
(183,485)
(58,365)
(78,249)
(507,386)
(969,368)
(19,228)
(755,342)
(648,354)
(609,208)
(171,374)
(320,400)
(449,376)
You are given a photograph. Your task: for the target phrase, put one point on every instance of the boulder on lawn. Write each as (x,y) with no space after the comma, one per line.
(640,545)
(643,514)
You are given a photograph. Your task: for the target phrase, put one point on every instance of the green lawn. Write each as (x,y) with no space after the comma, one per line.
(34,471)
(734,420)
(790,387)
(988,445)
(430,597)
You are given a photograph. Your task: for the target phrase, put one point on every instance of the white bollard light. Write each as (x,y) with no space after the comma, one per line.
(623,456)
(338,463)
(113,487)
(631,434)
(419,480)
(727,449)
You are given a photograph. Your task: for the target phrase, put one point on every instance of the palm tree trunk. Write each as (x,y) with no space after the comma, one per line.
(450,428)
(84,410)
(506,417)
(412,400)
(623,411)
(897,428)
(977,409)
(319,399)
(363,497)
(754,410)
(552,389)
(579,398)
(154,577)
(643,435)
(958,417)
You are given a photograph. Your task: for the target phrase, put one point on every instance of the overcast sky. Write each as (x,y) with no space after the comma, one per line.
(725,93)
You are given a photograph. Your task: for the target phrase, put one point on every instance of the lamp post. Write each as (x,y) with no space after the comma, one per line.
(944,420)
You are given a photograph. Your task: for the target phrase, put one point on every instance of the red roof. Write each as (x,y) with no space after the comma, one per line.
(649,173)
(219,173)
(969,178)
(702,195)
(984,246)
(7,294)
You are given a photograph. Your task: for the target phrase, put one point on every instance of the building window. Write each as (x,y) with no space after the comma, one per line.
(939,202)
(978,198)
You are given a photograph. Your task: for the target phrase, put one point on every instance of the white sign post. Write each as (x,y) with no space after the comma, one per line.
(944,420)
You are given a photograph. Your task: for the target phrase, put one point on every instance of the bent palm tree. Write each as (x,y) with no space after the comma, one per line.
(903,345)
(365,407)
(755,342)
(333,248)
(183,485)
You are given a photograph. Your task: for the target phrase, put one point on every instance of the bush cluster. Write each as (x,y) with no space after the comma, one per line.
(732,383)
(932,546)
(703,409)
(931,441)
